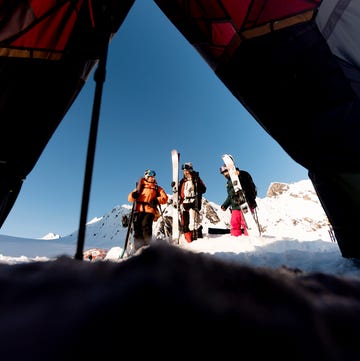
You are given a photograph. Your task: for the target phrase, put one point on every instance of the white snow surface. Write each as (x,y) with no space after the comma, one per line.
(296,234)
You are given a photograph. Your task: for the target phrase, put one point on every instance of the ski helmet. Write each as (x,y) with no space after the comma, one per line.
(187,166)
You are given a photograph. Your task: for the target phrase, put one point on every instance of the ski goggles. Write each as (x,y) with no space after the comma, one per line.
(149,173)
(223,169)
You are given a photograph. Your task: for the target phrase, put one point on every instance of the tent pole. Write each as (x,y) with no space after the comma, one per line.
(99,78)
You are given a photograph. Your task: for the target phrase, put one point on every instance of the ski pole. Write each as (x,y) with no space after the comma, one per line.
(131,220)
(257,220)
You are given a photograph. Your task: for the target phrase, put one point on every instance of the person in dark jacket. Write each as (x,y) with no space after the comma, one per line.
(191,189)
(237,221)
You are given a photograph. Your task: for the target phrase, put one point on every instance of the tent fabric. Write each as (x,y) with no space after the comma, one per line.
(216,27)
(338,21)
(301,87)
(37,28)
(41,74)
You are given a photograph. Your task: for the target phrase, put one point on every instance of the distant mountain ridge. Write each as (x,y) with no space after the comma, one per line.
(291,209)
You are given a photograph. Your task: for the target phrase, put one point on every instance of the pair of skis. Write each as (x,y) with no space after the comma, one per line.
(127,248)
(175,158)
(252,223)
(127,244)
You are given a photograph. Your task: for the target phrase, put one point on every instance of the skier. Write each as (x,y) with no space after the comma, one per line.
(237,221)
(191,189)
(148,195)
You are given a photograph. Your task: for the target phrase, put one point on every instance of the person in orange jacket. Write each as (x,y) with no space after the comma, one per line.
(147,195)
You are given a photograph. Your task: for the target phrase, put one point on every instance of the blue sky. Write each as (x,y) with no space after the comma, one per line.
(159,95)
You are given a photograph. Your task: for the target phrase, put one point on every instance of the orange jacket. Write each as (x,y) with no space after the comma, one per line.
(149,191)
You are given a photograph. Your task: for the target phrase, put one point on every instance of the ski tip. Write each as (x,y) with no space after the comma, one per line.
(227,155)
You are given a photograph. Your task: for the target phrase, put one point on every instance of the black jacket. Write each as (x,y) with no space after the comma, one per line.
(200,188)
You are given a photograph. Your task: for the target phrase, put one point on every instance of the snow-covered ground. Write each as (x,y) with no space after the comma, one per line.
(295,234)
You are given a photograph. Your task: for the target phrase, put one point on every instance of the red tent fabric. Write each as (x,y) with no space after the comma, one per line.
(38,28)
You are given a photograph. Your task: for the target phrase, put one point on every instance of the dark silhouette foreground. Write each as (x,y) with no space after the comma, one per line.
(167,302)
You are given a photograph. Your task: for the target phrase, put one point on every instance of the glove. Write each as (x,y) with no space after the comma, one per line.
(172,184)
(135,194)
(240,197)
(253,205)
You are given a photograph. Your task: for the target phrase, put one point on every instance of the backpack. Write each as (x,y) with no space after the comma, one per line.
(249,187)
(200,189)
